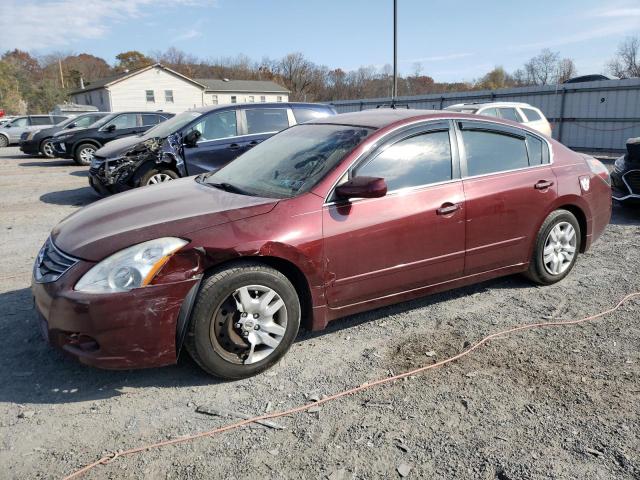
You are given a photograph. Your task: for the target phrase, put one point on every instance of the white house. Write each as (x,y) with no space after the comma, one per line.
(242,91)
(157,87)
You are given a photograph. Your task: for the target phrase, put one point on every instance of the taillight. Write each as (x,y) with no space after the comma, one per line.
(598,168)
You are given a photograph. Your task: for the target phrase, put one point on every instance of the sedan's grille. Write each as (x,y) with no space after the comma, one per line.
(632,179)
(51,263)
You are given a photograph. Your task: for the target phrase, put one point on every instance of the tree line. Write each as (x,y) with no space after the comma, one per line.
(30,84)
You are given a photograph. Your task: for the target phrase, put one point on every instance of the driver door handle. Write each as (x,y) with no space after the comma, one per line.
(234,146)
(448,208)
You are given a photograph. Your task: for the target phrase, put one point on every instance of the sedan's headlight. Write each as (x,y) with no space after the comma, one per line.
(130,268)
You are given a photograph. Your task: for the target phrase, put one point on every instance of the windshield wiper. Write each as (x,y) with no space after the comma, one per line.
(228,187)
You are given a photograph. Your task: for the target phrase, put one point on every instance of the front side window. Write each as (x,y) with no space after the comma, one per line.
(217,126)
(168,96)
(266,120)
(292,162)
(532,115)
(20,122)
(151,98)
(510,114)
(419,160)
(126,120)
(491,152)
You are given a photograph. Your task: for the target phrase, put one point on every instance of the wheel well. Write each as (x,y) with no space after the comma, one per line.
(293,274)
(582,221)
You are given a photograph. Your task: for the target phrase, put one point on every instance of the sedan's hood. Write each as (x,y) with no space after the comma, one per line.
(174,209)
(67,131)
(119,147)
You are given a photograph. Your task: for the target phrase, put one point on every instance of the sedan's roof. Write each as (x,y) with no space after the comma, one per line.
(376,118)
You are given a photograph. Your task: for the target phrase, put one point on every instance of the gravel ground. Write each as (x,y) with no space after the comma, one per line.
(553,403)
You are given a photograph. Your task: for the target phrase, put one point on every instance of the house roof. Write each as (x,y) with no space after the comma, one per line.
(215,85)
(107,81)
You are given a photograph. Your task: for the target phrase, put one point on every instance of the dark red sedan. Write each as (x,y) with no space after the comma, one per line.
(323,220)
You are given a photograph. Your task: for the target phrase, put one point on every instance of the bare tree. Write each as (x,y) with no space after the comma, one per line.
(566,70)
(542,69)
(626,63)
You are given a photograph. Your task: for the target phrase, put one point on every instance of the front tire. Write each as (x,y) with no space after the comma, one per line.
(556,249)
(46,148)
(155,176)
(84,153)
(4,141)
(244,320)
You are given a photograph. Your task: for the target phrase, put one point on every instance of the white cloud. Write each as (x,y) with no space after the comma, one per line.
(40,24)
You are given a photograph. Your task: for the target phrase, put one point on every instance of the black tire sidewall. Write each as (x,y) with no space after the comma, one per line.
(215,289)
(79,148)
(539,270)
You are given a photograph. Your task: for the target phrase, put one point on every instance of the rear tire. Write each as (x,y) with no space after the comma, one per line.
(556,249)
(220,333)
(84,153)
(4,141)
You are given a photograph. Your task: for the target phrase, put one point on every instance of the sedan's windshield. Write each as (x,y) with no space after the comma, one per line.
(291,162)
(172,125)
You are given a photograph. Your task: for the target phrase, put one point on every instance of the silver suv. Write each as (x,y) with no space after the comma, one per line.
(11,131)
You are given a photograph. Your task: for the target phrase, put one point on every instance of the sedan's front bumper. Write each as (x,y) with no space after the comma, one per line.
(135,329)
(29,147)
(61,149)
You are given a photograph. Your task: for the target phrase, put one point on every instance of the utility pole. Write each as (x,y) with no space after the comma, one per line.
(61,76)
(394,91)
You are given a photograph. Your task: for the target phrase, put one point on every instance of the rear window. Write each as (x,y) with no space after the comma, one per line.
(306,114)
(532,115)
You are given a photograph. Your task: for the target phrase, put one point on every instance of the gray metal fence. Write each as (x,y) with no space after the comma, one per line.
(594,116)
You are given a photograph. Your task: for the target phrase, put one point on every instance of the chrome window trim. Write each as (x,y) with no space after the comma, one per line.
(457,139)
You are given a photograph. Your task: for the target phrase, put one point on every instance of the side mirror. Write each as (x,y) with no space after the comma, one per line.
(8,125)
(110,128)
(71,125)
(362,187)
(191,138)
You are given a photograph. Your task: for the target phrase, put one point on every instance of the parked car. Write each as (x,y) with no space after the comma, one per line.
(625,176)
(325,219)
(200,140)
(81,143)
(11,132)
(5,120)
(39,141)
(514,111)
(596,77)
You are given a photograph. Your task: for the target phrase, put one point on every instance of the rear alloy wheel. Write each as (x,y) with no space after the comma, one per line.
(244,320)
(556,249)
(4,141)
(153,177)
(46,149)
(84,153)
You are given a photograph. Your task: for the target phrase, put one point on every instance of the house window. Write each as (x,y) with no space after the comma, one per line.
(234,99)
(251,99)
(279,98)
(150,97)
(263,98)
(87,99)
(214,99)
(168,96)
(101,99)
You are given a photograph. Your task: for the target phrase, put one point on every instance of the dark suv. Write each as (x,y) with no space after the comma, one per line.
(200,140)
(39,141)
(81,143)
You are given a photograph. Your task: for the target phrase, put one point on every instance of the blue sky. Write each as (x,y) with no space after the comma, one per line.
(453,40)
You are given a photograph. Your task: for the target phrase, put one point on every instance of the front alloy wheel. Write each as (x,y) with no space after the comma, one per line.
(47,149)
(244,320)
(559,248)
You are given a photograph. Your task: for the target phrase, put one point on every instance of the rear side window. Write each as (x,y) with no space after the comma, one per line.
(41,121)
(266,120)
(538,151)
(414,161)
(532,115)
(305,114)
(510,114)
(150,119)
(491,152)
(490,112)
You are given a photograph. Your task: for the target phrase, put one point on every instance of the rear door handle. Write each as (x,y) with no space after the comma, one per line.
(234,146)
(448,208)
(543,185)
